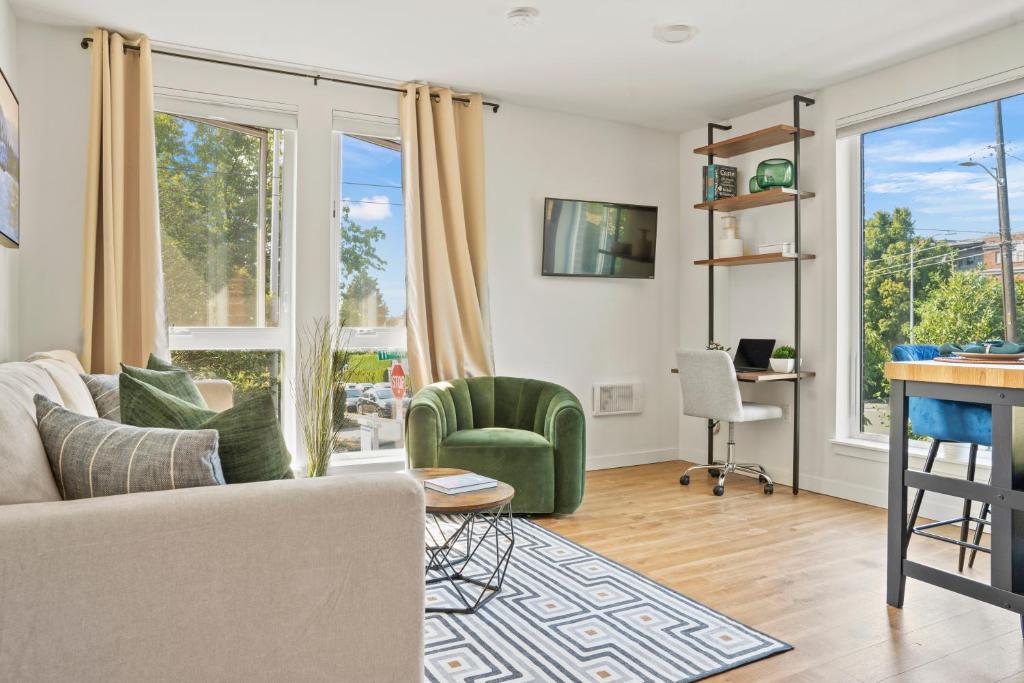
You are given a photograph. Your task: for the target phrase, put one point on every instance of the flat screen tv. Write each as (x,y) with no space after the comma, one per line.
(599,239)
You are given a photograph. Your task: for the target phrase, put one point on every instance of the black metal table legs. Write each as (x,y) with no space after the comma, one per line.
(470,553)
(1004,496)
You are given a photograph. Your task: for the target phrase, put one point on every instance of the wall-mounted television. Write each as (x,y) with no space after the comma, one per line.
(599,239)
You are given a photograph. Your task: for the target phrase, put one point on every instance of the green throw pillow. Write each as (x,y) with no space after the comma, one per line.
(155,363)
(251,448)
(175,382)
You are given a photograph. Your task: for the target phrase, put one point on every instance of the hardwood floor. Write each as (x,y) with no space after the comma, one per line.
(807,569)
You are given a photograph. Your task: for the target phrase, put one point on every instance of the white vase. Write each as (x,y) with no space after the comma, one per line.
(783,364)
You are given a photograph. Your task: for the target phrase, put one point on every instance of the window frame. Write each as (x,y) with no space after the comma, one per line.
(280,337)
(348,123)
(850,132)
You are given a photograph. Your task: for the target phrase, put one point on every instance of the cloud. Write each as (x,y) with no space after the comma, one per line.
(375,208)
(906,152)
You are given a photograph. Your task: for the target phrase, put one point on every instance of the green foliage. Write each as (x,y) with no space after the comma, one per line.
(784,352)
(251,373)
(966,307)
(362,303)
(888,241)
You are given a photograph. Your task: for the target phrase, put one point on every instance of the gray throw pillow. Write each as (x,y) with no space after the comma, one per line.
(106,394)
(93,457)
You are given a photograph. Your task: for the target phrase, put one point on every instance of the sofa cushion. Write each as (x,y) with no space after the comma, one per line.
(91,457)
(65,371)
(252,447)
(175,382)
(106,395)
(24,470)
(518,457)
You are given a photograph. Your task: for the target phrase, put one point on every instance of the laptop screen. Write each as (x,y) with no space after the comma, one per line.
(753,353)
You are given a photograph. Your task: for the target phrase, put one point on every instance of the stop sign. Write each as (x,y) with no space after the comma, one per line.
(398,381)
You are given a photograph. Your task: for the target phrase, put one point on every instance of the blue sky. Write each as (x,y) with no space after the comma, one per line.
(371,186)
(916,165)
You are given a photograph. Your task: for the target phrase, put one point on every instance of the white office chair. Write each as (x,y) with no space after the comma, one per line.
(711,391)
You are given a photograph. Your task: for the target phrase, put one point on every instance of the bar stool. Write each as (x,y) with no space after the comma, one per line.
(947,422)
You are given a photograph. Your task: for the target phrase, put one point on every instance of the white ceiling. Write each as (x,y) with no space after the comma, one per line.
(591,57)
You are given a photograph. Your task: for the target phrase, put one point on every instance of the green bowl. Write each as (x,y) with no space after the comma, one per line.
(775,173)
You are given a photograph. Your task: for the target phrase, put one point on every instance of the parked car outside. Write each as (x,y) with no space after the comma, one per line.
(352,395)
(381,401)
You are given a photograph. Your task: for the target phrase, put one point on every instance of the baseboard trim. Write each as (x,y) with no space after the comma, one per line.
(934,506)
(609,461)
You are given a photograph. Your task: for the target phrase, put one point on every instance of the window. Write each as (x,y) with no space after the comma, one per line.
(940,204)
(370,286)
(223,242)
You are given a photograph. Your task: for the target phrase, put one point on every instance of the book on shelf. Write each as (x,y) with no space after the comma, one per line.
(719,182)
(460,483)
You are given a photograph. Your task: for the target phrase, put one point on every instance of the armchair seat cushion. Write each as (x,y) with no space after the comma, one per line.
(518,457)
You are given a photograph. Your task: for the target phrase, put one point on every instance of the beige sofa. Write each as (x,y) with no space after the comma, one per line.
(275,581)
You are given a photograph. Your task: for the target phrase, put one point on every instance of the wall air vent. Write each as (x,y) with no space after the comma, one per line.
(618,399)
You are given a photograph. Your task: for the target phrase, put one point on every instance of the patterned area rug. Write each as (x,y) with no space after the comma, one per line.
(567,614)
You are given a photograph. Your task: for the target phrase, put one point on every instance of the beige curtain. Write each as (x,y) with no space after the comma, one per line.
(122,300)
(446,259)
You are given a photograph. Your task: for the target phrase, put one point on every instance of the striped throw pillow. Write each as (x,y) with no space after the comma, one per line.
(92,457)
(106,394)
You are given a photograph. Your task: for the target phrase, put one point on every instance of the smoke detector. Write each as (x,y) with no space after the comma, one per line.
(522,16)
(674,33)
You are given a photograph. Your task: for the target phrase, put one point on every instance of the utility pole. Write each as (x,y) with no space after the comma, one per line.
(1005,234)
(911,290)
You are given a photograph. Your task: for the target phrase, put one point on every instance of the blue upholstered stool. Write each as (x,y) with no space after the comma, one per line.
(952,422)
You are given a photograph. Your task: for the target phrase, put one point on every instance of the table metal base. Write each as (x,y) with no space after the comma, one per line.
(471,553)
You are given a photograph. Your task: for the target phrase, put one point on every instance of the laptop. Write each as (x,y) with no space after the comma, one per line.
(752,355)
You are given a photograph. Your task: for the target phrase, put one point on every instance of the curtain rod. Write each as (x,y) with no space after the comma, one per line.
(316,78)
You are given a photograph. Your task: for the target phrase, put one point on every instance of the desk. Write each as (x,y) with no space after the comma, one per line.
(759,376)
(1002,387)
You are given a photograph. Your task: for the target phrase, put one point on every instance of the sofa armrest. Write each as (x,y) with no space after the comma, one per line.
(307,579)
(219,394)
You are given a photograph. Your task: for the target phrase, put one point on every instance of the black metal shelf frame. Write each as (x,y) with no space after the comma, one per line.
(798,102)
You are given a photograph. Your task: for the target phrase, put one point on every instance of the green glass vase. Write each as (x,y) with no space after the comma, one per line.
(754,187)
(775,173)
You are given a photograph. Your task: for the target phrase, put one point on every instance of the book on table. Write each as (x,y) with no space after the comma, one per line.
(460,483)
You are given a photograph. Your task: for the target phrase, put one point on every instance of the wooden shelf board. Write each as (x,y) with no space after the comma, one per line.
(766,376)
(751,259)
(751,142)
(775,195)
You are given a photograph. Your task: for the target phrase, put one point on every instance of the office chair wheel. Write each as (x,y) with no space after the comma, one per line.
(718,490)
(685,480)
(713,474)
(769,489)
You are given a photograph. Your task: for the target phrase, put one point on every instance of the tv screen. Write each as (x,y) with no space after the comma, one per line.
(599,239)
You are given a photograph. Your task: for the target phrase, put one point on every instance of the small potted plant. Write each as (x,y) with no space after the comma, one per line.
(784,359)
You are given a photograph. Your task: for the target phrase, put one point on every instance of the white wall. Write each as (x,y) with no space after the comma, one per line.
(55,121)
(848,470)
(578,331)
(9,258)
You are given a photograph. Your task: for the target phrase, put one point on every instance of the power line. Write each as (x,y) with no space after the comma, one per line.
(351,182)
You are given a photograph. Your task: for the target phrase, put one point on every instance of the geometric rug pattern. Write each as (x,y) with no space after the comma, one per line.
(566,613)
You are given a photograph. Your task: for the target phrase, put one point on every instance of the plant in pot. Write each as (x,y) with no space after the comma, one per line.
(783,359)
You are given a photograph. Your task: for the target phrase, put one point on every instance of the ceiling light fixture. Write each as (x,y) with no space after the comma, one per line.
(522,16)
(674,33)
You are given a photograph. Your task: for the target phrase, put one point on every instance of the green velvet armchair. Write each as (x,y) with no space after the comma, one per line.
(524,432)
